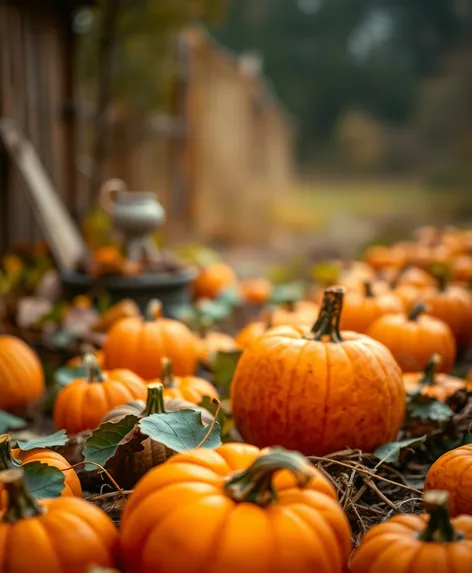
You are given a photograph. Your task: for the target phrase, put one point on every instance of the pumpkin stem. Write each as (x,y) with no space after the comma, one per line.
(21,503)
(430,371)
(155,400)
(167,375)
(254,484)
(327,324)
(439,528)
(442,274)
(368,292)
(7,461)
(95,373)
(416,311)
(153,310)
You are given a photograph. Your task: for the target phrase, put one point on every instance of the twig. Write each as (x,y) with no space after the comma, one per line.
(213,422)
(108,495)
(107,473)
(384,498)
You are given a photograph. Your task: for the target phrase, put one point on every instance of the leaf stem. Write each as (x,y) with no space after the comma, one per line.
(213,422)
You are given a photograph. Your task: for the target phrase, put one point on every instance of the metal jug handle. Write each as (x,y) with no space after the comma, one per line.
(108,192)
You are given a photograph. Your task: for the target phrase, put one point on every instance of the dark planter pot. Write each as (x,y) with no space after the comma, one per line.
(172,289)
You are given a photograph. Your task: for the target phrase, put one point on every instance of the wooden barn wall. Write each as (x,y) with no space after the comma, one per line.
(36,91)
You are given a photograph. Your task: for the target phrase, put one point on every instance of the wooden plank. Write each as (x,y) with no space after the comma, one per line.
(58,226)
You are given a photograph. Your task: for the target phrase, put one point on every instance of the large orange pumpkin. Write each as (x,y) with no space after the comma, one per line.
(429,383)
(360,310)
(232,510)
(21,375)
(62,535)
(139,345)
(418,543)
(319,391)
(213,279)
(15,458)
(414,338)
(453,472)
(82,404)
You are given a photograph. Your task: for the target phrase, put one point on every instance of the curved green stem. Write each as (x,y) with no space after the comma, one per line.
(327,325)
(254,484)
(21,503)
(368,292)
(167,375)
(155,400)
(95,373)
(416,311)
(439,527)
(7,461)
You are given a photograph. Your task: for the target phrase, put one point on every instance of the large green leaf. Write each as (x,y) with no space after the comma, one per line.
(57,439)
(223,367)
(9,422)
(104,441)
(44,481)
(391,452)
(180,431)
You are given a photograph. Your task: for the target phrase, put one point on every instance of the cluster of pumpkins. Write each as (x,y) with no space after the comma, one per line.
(321,375)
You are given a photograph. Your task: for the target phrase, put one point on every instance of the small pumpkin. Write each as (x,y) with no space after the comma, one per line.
(414,338)
(380,257)
(212,279)
(429,383)
(125,308)
(62,535)
(295,313)
(190,388)
(214,342)
(318,391)
(408,294)
(453,472)
(82,404)
(251,332)
(240,506)
(139,344)
(145,453)
(16,458)
(360,310)
(21,375)
(414,276)
(255,291)
(418,543)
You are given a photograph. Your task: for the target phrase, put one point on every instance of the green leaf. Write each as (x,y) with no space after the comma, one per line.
(230,296)
(9,422)
(104,441)
(64,376)
(57,439)
(391,452)
(223,367)
(180,431)
(428,409)
(216,310)
(287,293)
(44,481)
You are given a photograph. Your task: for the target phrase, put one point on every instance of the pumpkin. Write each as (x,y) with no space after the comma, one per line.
(251,332)
(361,310)
(255,291)
(212,279)
(318,391)
(414,276)
(408,294)
(62,535)
(414,338)
(239,509)
(125,308)
(418,543)
(380,257)
(190,388)
(453,472)
(300,312)
(139,344)
(429,383)
(82,404)
(212,343)
(452,305)
(21,375)
(129,466)
(461,268)
(15,458)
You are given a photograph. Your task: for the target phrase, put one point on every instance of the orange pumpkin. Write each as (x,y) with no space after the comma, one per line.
(381,257)
(82,404)
(238,508)
(319,391)
(139,345)
(452,305)
(416,277)
(15,458)
(414,338)
(213,279)
(360,310)
(251,332)
(453,472)
(62,535)
(256,291)
(190,388)
(418,543)
(408,294)
(429,383)
(212,343)
(461,268)
(21,375)
(296,313)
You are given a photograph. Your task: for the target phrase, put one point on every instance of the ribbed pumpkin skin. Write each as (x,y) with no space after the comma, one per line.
(82,404)
(413,342)
(452,472)
(190,388)
(360,311)
(21,375)
(393,547)
(180,520)
(140,346)
(317,397)
(71,536)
